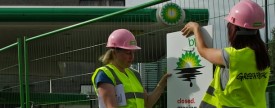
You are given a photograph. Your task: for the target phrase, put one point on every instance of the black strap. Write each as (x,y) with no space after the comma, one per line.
(114,74)
(137,75)
(210,90)
(130,95)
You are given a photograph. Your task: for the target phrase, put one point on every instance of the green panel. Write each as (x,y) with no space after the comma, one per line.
(72,14)
(41,98)
(9,98)
(197,15)
(83,14)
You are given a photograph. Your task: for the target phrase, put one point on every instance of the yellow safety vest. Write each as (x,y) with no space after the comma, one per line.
(133,88)
(246,85)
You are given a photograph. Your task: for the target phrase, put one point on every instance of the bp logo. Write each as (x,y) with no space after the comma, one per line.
(171,14)
(188,64)
(188,59)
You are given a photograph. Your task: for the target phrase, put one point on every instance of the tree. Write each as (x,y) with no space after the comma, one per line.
(271,51)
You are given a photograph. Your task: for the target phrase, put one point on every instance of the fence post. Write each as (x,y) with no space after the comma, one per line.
(21,71)
(26,64)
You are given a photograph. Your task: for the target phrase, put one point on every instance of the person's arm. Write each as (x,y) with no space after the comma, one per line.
(211,54)
(151,98)
(107,92)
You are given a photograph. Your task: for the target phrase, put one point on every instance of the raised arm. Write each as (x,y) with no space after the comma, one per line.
(211,54)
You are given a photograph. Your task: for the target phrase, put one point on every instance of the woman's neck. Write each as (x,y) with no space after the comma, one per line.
(120,68)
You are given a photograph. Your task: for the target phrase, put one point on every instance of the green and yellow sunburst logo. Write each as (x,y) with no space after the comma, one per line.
(171,14)
(189,59)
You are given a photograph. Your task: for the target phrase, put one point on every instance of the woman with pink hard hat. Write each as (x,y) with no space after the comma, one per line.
(118,86)
(242,69)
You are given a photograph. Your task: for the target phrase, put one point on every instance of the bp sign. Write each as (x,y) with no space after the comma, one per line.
(171,14)
(191,73)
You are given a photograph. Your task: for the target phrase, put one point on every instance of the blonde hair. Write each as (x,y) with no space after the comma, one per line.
(107,57)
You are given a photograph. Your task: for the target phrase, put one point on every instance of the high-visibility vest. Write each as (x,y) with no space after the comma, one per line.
(133,88)
(246,85)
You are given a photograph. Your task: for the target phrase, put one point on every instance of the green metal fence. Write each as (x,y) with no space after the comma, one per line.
(28,97)
(51,69)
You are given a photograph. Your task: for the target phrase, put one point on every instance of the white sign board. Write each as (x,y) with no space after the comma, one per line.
(191,74)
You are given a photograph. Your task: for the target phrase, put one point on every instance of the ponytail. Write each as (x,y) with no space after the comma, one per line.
(107,57)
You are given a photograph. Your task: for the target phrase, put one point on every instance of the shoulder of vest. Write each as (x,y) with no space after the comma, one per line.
(137,75)
(106,71)
(229,49)
(131,70)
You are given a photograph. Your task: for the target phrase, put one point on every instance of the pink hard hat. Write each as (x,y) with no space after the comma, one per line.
(247,14)
(122,38)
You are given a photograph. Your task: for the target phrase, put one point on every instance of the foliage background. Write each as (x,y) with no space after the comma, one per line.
(271,50)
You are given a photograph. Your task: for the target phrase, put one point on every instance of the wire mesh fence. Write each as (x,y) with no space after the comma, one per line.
(60,66)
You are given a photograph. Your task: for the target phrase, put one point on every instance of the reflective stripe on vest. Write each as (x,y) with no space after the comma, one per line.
(128,95)
(210,96)
(206,105)
(210,90)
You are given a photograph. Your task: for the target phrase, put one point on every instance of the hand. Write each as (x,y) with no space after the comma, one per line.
(190,28)
(163,81)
